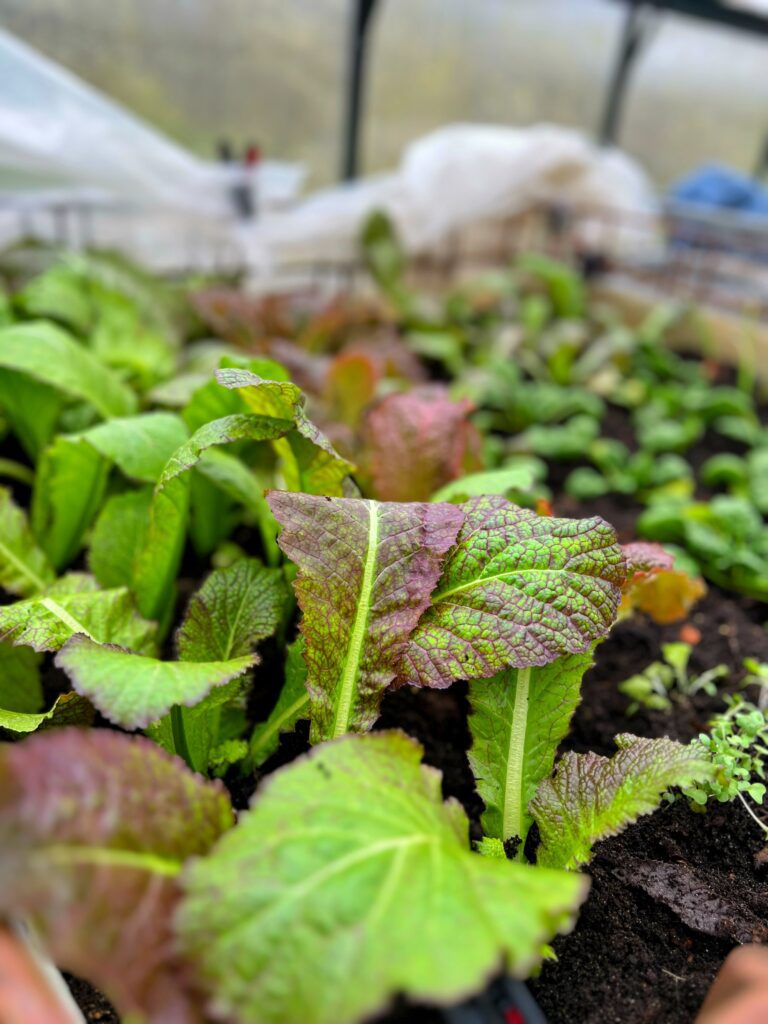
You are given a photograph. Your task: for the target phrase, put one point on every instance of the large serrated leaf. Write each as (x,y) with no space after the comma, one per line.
(366,571)
(24,568)
(51,356)
(350,881)
(517,590)
(591,797)
(132,690)
(94,829)
(74,604)
(519,717)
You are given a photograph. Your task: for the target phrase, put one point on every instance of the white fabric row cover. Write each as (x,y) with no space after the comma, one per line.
(58,133)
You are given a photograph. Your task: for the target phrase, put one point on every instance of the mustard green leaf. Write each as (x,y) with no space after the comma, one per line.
(160,555)
(32,409)
(67,709)
(75,604)
(350,881)
(133,690)
(310,462)
(20,686)
(95,827)
(518,719)
(591,797)
(24,567)
(366,572)
(235,608)
(70,484)
(52,356)
(517,590)
(140,446)
(118,535)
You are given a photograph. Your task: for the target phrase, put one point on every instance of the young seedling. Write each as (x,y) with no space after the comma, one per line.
(663,682)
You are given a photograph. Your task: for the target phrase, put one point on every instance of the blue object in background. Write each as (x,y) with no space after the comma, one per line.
(716,185)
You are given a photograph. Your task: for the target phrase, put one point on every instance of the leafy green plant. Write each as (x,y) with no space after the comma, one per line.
(736,745)
(661,682)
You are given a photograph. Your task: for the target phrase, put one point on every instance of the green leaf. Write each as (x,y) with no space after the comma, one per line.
(517,590)
(140,446)
(59,293)
(521,474)
(68,709)
(20,687)
(292,705)
(69,488)
(24,568)
(366,571)
(591,797)
(94,830)
(74,604)
(518,719)
(72,474)
(158,560)
(310,462)
(118,535)
(31,408)
(342,857)
(234,609)
(51,356)
(132,690)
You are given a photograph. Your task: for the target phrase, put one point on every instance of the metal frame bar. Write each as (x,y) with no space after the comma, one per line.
(355,86)
(635,34)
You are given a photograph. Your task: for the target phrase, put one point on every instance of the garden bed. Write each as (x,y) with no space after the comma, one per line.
(670,894)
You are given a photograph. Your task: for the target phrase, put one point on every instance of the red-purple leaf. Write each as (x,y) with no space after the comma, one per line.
(655,586)
(517,590)
(94,829)
(418,442)
(366,572)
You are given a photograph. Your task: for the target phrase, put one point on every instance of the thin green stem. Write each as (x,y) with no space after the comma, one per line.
(179,733)
(512,821)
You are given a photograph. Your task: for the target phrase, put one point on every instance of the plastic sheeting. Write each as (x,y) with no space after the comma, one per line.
(64,146)
(464,175)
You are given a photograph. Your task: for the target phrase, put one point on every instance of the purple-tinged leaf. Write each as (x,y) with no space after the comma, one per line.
(94,830)
(591,797)
(517,590)
(366,572)
(418,442)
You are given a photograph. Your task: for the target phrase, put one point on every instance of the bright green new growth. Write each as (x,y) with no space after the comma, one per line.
(354,882)
(591,797)
(518,718)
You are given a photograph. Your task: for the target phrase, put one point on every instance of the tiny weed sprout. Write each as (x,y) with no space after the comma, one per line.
(736,747)
(662,682)
(299,605)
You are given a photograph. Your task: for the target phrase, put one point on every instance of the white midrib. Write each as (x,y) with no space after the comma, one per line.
(21,567)
(512,819)
(348,682)
(63,615)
